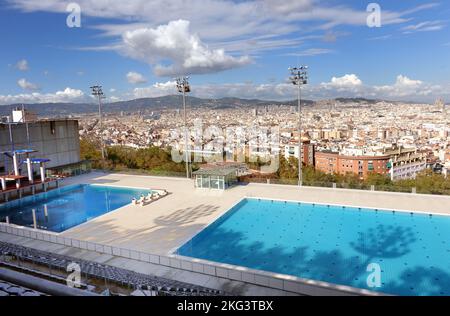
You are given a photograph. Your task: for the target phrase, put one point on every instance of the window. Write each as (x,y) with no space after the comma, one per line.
(52,127)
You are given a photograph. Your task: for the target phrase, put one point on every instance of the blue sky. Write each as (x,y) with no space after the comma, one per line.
(229,48)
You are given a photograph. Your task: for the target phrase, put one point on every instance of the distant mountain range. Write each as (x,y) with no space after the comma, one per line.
(159,103)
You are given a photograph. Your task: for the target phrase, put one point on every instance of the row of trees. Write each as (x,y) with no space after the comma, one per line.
(157,160)
(118,158)
(425,182)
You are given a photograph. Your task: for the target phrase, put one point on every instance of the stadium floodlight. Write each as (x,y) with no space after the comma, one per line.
(98,92)
(184,87)
(299,77)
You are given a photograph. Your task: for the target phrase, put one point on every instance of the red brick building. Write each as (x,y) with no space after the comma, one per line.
(332,162)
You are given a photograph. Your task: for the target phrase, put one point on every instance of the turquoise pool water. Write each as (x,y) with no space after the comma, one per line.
(332,244)
(64,208)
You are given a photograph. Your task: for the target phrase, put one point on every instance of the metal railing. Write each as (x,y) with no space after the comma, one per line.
(352,186)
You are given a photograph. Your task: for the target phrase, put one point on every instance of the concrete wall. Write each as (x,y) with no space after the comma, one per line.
(55,140)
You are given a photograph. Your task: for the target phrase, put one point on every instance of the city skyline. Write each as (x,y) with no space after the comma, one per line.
(230,49)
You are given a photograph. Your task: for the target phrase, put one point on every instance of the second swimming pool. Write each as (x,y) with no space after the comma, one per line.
(334,244)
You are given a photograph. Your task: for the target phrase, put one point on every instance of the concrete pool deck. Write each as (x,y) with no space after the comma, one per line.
(164,225)
(143,239)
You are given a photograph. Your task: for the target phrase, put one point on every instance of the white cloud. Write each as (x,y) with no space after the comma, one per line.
(114,99)
(346,82)
(287,6)
(66,95)
(156,90)
(223,21)
(185,53)
(349,85)
(26,85)
(22,65)
(427,26)
(135,78)
(312,52)
(403,87)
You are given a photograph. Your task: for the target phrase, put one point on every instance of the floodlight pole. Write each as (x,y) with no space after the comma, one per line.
(299,77)
(98,92)
(300,143)
(183,86)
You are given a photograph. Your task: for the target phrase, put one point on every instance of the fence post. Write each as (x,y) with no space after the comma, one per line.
(334,185)
(414,190)
(268,181)
(372,187)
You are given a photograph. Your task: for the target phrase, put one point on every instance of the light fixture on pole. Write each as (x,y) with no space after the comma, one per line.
(299,77)
(98,92)
(184,87)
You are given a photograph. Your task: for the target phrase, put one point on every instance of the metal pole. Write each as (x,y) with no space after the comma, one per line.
(185,132)
(34,218)
(101,124)
(300,143)
(299,77)
(97,91)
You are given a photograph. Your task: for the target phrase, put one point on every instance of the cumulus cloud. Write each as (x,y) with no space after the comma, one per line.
(248,90)
(405,86)
(349,85)
(22,65)
(156,90)
(175,44)
(26,85)
(135,78)
(66,95)
(349,82)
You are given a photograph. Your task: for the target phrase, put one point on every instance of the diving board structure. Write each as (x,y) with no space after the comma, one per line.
(17,162)
(36,161)
(25,183)
(15,159)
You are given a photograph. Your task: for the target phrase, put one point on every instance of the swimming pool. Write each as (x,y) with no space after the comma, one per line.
(333,244)
(66,207)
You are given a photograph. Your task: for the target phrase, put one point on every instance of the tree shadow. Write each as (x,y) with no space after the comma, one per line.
(381,243)
(186,216)
(384,241)
(421,281)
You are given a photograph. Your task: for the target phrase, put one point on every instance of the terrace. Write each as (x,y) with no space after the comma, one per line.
(160,228)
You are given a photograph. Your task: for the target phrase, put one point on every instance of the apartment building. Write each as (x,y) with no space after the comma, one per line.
(361,165)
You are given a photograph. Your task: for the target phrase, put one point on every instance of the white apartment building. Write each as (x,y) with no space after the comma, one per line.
(406,163)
